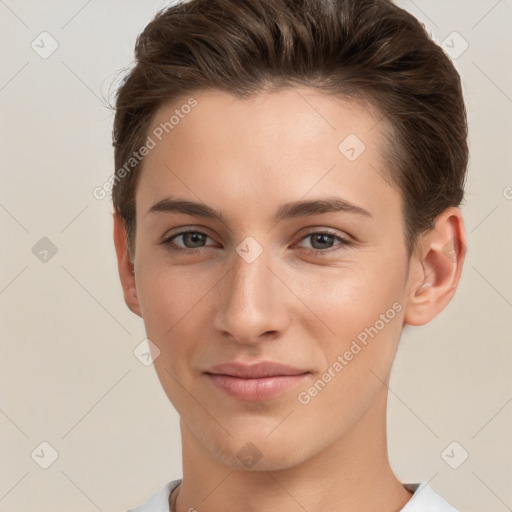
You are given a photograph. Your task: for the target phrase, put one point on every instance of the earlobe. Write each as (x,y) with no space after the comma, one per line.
(125,266)
(438,266)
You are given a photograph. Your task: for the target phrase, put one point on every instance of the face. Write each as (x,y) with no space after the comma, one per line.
(298,259)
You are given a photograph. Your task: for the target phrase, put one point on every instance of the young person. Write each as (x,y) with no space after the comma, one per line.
(288,176)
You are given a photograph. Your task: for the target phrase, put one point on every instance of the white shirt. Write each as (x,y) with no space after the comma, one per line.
(424,499)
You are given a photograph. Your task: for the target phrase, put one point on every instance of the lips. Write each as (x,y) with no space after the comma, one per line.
(254,371)
(260,381)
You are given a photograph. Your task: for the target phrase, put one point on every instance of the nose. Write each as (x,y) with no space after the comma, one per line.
(253,304)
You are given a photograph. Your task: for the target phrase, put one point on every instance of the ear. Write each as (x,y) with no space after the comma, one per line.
(125,266)
(435,268)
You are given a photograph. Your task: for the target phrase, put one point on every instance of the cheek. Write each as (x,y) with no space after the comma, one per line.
(348,299)
(169,300)
(171,308)
(177,313)
(169,292)
(366,315)
(362,317)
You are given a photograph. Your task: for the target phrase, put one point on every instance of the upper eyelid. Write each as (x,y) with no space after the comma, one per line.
(185,232)
(342,239)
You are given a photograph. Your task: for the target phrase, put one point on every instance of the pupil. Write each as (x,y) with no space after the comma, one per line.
(190,235)
(320,237)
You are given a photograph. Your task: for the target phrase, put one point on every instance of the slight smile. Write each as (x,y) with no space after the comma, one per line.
(260,381)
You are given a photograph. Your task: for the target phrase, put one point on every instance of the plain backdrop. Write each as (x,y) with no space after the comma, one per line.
(68,374)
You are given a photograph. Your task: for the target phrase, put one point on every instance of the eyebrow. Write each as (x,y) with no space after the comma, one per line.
(286,211)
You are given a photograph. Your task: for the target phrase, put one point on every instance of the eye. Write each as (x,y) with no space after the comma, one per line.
(322,242)
(192,240)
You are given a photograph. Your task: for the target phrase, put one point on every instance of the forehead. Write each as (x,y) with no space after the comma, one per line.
(266,150)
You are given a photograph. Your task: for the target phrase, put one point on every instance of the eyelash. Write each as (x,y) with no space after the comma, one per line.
(344,242)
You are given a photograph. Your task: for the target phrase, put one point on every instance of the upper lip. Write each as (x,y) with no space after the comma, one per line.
(254,371)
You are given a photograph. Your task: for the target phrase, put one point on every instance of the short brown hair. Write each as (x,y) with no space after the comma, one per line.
(368,50)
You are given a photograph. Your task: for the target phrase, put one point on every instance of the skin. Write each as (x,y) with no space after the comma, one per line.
(290,305)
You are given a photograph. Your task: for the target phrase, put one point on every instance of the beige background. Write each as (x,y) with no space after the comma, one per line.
(68,374)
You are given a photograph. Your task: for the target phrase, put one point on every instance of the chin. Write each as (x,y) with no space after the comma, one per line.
(255,451)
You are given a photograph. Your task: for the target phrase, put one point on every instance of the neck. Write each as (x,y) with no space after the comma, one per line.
(353,473)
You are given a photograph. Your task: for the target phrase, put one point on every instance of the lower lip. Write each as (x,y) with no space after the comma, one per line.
(256,389)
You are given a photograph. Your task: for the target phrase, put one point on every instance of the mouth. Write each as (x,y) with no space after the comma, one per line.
(260,381)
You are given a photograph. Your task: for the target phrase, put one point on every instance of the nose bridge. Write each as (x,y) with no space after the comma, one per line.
(250,301)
